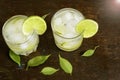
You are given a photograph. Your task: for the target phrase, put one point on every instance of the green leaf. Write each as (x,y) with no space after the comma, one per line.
(36,61)
(44,16)
(15,57)
(48,70)
(89,52)
(65,65)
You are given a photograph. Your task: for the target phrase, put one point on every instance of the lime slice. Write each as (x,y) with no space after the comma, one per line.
(60,29)
(34,23)
(68,46)
(89,26)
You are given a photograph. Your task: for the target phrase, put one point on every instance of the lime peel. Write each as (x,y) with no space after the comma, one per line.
(89,26)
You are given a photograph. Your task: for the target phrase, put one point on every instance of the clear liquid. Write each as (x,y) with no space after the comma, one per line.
(18,42)
(63,26)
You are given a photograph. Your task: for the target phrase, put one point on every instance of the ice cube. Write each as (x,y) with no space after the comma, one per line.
(78,17)
(67,16)
(58,21)
(17,38)
(70,35)
(9,29)
(24,46)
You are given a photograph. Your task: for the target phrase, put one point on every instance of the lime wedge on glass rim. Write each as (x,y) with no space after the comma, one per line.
(34,24)
(89,26)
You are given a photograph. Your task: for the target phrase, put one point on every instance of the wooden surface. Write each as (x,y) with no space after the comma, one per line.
(103,65)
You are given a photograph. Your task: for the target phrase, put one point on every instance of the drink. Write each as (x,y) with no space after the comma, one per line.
(63,26)
(18,42)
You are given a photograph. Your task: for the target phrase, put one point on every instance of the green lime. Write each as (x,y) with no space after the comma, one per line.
(60,29)
(34,23)
(89,26)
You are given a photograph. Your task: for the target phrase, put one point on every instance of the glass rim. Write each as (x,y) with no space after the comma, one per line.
(76,36)
(7,39)
(69,9)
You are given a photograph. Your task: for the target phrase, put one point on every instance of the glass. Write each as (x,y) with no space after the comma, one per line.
(18,42)
(63,26)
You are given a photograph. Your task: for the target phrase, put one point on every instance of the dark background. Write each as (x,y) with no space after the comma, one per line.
(103,65)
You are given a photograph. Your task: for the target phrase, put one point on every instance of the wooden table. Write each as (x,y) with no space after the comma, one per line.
(103,65)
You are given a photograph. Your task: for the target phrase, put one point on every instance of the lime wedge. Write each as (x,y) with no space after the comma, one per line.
(67,46)
(89,26)
(34,23)
(60,29)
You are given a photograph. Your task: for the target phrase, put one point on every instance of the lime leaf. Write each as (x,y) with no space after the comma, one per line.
(34,24)
(36,61)
(48,70)
(44,16)
(89,26)
(15,57)
(65,65)
(89,52)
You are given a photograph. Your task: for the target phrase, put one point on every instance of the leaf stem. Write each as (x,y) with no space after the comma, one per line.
(96,47)
(44,16)
(27,67)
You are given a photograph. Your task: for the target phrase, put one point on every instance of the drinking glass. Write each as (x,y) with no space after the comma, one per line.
(13,35)
(63,25)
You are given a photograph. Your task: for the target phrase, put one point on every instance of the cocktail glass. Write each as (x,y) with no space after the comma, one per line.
(63,26)
(18,42)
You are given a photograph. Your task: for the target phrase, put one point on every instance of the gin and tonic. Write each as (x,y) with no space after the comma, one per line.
(18,42)
(63,26)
